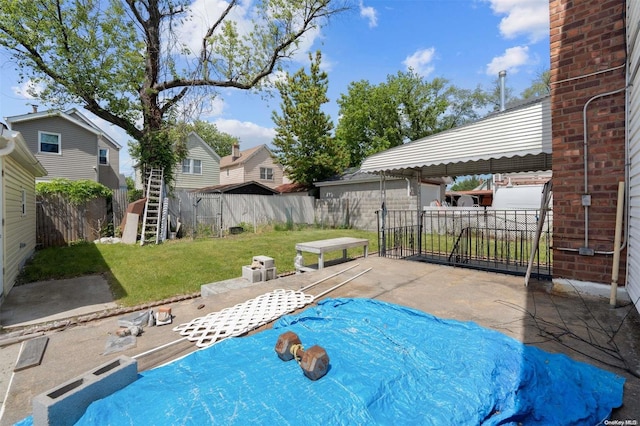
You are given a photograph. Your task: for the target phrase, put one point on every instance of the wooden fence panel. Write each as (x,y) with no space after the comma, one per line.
(219,212)
(59,222)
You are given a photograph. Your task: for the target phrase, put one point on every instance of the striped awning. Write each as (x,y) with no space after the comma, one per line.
(515,140)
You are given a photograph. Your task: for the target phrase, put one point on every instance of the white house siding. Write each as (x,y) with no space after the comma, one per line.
(364,200)
(19,231)
(210,167)
(262,158)
(78,159)
(234,174)
(633,250)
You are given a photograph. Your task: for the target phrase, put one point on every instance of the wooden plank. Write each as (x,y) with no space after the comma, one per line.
(31,353)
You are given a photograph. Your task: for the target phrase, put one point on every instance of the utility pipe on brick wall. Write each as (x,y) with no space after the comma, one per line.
(586,172)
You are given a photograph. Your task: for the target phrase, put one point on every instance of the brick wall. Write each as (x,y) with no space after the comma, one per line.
(587,37)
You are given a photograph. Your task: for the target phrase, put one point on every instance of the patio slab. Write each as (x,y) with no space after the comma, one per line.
(556,321)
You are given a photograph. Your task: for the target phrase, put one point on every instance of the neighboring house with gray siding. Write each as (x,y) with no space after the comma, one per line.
(359,195)
(18,172)
(201,168)
(255,164)
(70,146)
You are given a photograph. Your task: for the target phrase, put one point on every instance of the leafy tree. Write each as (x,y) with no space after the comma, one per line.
(303,142)
(369,121)
(404,108)
(540,86)
(124,61)
(467,184)
(221,142)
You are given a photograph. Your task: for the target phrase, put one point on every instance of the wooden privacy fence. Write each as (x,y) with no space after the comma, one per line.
(212,214)
(59,222)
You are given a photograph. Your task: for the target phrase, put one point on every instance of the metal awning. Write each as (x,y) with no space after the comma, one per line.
(515,140)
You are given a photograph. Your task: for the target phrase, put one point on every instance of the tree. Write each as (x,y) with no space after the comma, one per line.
(404,108)
(221,142)
(467,184)
(369,121)
(124,60)
(540,86)
(303,142)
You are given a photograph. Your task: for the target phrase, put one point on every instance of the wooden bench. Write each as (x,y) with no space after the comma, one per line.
(321,247)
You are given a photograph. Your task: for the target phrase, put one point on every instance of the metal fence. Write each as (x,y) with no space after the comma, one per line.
(494,240)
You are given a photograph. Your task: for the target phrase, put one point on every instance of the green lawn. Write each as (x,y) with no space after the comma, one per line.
(155,272)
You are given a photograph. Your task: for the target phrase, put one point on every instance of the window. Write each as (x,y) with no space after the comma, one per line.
(24,202)
(103,156)
(266,173)
(191,166)
(49,142)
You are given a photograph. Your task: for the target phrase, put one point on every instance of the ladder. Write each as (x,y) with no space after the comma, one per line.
(152,220)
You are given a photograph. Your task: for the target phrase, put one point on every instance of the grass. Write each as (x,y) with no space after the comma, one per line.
(154,272)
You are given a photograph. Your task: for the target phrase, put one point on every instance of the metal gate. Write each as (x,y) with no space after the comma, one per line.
(485,239)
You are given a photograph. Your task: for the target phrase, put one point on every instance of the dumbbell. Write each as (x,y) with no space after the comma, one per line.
(313,361)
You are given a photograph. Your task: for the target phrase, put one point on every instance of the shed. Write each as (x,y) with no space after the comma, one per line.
(18,172)
(252,187)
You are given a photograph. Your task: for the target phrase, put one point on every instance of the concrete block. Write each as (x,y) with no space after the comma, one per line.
(251,275)
(264,261)
(268,274)
(65,404)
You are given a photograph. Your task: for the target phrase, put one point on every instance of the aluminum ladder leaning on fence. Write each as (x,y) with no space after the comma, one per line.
(154,213)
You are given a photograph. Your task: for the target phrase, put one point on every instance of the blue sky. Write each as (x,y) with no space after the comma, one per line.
(465,41)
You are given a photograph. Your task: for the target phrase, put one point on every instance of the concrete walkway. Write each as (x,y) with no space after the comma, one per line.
(555,319)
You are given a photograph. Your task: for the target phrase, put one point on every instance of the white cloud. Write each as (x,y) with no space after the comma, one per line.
(510,61)
(250,134)
(28,90)
(370,14)
(523,17)
(420,61)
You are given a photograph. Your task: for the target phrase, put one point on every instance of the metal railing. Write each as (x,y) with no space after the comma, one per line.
(493,240)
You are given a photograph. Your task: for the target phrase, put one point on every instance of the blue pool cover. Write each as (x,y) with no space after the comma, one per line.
(389,365)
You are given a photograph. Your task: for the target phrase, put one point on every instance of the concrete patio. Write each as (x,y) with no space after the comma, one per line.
(552,317)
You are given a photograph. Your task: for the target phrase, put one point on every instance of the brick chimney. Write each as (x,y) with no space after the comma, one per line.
(235,152)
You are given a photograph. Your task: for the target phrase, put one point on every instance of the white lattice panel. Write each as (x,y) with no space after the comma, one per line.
(243,317)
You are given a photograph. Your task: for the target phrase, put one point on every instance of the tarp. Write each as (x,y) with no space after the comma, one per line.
(388,365)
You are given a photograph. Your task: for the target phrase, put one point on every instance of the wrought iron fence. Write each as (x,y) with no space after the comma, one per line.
(495,240)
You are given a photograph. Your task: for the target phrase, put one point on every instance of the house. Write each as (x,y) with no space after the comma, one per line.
(254,164)
(595,98)
(201,167)
(70,146)
(359,194)
(18,172)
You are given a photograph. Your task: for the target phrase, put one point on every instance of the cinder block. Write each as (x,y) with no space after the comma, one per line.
(265,261)
(268,274)
(251,275)
(65,404)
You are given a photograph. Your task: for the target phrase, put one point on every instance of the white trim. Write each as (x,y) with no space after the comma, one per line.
(107,156)
(44,132)
(266,173)
(191,167)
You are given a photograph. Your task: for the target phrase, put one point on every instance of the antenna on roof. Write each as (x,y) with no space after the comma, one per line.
(502,75)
